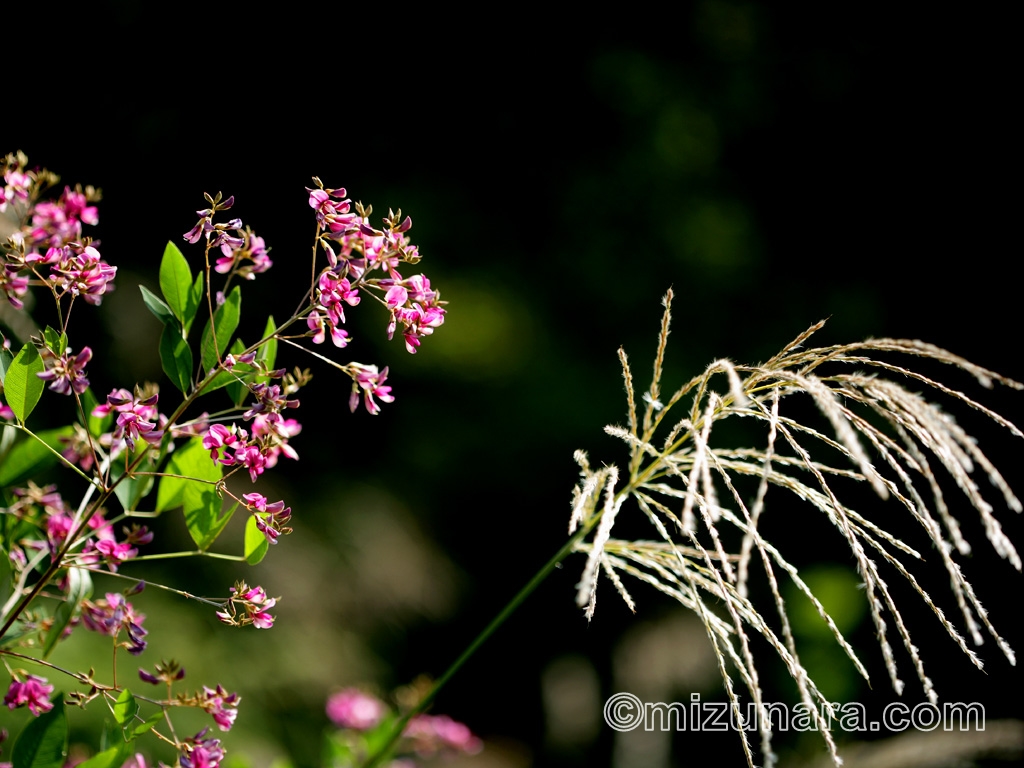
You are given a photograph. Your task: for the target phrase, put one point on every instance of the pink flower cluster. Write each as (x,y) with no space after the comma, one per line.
(50,237)
(232,445)
(33,693)
(427,735)
(136,417)
(242,253)
(60,222)
(222,705)
(248,606)
(271,519)
(351,708)
(112,615)
(77,269)
(46,510)
(361,249)
(65,373)
(368,380)
(433,734)
(201,752)
(416,306)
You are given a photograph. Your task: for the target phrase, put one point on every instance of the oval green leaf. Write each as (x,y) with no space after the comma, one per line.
(44,742)
(225,320)
(176,358)
(176,282)
(256,544)
(22,386)
(31,455)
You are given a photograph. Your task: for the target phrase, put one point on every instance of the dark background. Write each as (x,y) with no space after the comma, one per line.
(775,166)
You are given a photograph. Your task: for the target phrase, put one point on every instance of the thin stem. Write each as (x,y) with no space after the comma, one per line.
(396,731)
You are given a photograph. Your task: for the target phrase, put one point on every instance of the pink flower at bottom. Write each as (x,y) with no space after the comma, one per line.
(34,693)
(351,708)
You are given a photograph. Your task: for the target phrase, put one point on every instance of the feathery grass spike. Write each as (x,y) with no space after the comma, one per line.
(894,439)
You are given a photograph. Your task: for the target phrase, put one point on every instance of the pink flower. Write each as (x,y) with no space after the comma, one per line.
(431,734)
(34,693)
(272,522)
(222,705)
(12,286)
(201,752)
(66,374)
(351,708)
(372,384)
(110,616)
(132,419)
(248,606)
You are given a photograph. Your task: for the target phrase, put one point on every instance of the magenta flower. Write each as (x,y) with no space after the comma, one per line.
(371,383)
(237,449)
(133,417)
(200,752)
(248,606)
(272,519)
(66,374)
(12,286)
(82,272)
(222,705)
(431,734)
(274,433)
(110,616)
(351,708)
(34,693)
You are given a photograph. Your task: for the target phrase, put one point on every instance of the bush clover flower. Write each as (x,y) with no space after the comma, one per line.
(221,705)
(33,693)
(12,286)
(167,672)
(248,606)
(351,708)
(274,433)
(109,616)
(371,382)
(205,224)
(65,373)
(271,519)
(81,271)
(433,734)
(134,414)
(201,752)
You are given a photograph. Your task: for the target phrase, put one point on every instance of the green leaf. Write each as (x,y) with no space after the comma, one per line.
(198,500)
(158,307)
(225,319)
(195,298)
(55,342)
(256,544)
(125,708)
(268,352)
(79,589)
(22,387)
(44,742)
(131,490)
(108,758)
(148,723)
(176,358)
(205,523)
(30,456)
(176,282)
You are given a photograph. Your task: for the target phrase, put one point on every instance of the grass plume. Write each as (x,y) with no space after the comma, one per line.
(874,429)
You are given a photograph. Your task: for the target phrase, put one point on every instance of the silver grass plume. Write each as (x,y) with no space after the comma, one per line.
(676,484)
